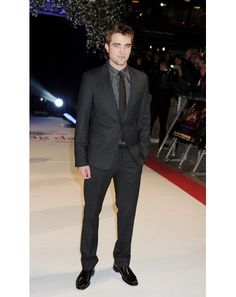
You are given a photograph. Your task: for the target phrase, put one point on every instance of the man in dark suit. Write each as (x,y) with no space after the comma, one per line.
(112,138)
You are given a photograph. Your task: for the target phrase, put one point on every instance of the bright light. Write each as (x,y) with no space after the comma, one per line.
(58,102)
(41,99)
(163,49)
(163,4)
(69,117)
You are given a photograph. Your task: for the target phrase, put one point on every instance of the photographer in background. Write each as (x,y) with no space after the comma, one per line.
(183,81)
(162,92)
(200,90)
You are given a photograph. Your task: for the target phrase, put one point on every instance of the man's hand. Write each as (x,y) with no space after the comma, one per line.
(85,171)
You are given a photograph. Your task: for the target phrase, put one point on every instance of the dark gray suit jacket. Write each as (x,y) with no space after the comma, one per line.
(99,125)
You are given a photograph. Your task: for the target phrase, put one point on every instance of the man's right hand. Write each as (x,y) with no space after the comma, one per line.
(85,171)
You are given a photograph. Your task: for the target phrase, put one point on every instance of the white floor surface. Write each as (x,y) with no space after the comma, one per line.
(168,248)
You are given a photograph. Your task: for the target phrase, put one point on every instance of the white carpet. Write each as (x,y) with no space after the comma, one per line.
(168,250)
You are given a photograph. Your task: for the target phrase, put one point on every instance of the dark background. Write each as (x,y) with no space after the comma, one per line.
(57,57)
(58,54)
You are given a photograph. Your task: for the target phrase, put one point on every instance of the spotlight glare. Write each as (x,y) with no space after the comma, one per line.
(58,102)
(69,117)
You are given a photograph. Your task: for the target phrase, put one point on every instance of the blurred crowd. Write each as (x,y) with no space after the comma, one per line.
(170,76)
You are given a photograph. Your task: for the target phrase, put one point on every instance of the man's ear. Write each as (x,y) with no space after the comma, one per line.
(107,47)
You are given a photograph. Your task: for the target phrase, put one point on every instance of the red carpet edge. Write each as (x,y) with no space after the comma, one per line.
(193,188)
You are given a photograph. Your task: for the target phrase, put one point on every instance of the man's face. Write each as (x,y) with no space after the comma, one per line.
(119,50)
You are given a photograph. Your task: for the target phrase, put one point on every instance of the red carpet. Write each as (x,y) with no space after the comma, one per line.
(188,185)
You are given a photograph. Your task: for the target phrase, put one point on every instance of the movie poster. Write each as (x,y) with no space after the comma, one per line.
(191,124)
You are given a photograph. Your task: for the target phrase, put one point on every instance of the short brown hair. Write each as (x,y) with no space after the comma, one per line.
(118,28)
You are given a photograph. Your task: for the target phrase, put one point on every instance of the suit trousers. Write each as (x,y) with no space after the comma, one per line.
(126,176)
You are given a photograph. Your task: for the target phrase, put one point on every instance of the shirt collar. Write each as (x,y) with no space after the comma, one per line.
(115,72)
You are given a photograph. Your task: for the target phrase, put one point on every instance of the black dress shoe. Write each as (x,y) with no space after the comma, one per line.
(127,275)
(83,280)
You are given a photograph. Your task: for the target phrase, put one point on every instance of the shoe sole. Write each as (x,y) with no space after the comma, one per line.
(117,270)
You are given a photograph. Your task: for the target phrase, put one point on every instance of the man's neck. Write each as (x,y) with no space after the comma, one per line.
(117,67)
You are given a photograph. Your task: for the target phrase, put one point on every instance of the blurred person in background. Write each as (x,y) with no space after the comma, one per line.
(162,92)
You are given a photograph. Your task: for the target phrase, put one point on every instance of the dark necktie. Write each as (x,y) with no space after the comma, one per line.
(122,93)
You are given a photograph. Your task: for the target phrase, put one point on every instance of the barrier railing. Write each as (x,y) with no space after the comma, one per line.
(189,129)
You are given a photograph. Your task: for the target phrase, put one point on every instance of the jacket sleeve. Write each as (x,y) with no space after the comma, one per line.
(144,122)
(84,108)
